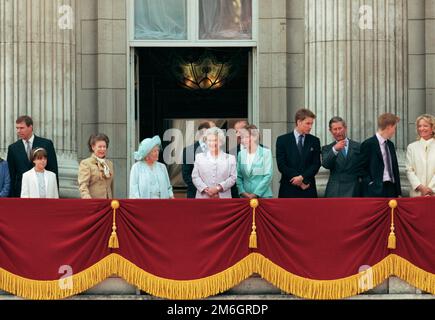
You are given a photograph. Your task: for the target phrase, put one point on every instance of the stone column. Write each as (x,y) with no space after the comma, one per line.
(416,64)
(354,72)
(37,77)
(357,69)
(281,67)
(102,80)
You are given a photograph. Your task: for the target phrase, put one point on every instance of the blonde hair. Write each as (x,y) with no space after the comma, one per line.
(428,118)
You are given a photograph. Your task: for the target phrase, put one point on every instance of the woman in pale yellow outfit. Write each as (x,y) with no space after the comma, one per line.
(96,172)
(420,158)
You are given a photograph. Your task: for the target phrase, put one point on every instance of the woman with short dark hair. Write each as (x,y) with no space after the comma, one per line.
(39,182)
(96,172)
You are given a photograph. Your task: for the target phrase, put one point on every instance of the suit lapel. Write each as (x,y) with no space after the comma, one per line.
(306,146)
(22,152)
(255,160)
(35,182)
(293,146)
(244,159)
(350,152)
(392,155)
(378,150)
(46,183)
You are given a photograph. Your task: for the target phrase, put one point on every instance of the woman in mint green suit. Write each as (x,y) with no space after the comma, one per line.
(254,166)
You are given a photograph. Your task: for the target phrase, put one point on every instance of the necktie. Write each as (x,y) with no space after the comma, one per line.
(388,164)
(344,152)
(300,143)
(28,149)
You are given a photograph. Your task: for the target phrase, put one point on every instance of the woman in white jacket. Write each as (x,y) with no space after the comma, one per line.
(420,158)
(214,172)
(38,182)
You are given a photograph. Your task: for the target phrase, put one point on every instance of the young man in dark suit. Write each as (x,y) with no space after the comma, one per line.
(298,158)
(19,153)
(189,155)
(379,160)
(342,158)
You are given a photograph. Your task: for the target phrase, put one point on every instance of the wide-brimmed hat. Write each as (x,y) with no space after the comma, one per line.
(146,146)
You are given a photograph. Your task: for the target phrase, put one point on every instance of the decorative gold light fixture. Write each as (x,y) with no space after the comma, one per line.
(206,72)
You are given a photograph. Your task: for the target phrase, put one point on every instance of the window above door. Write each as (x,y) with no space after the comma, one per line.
(193,22)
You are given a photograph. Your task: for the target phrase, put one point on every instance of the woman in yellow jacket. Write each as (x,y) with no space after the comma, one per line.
(96,172)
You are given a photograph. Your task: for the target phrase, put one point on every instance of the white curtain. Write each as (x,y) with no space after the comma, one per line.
(160,19)
(225,19)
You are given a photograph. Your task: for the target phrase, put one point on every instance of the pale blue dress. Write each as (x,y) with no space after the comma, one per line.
(150,182)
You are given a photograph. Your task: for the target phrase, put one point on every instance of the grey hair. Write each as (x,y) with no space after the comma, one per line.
(335,120)
(215,131)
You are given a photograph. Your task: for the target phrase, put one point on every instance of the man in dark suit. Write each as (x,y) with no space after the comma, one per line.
(342,159)
(298,158)
(19,153)
(189,155)
(379,160)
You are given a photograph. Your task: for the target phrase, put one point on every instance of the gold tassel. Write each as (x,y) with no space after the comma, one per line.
(253,237)
(113,241)
(392,237)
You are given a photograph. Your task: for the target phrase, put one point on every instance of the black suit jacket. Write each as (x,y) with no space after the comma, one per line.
(19,163)
(187,167)
(372,165)
(291,164)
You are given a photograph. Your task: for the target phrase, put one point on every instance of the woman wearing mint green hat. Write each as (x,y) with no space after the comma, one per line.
(149,178)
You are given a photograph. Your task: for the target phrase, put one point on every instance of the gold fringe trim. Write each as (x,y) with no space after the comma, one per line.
(186,289)
(59,289)
(114,264)
(323,289)
(412,274)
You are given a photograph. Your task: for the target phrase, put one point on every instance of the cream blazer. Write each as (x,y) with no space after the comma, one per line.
(30,188)
(420,165)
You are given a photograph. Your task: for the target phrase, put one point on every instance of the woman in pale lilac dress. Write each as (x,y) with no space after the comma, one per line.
(214,172)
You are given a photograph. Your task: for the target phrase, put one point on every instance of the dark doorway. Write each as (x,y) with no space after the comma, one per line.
(165,101)
(162,97)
